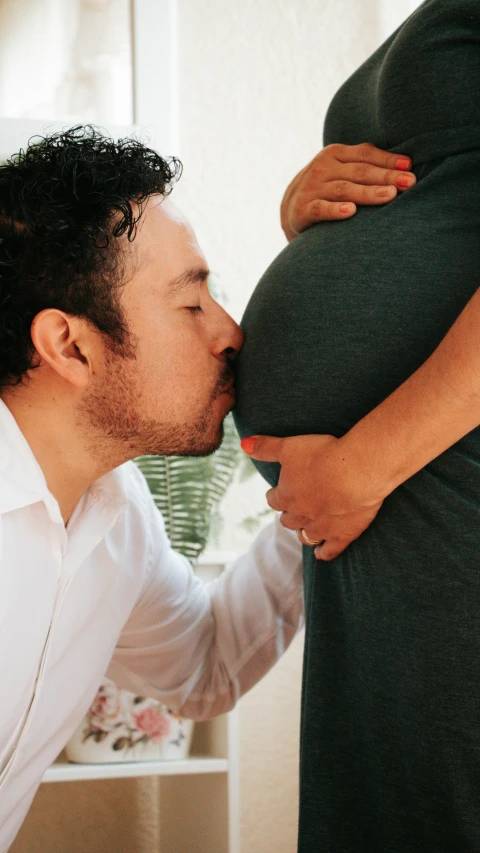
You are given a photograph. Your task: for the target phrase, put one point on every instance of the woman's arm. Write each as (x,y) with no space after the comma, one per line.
(333,488)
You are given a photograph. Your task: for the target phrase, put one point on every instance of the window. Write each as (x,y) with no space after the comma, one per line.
(108,62)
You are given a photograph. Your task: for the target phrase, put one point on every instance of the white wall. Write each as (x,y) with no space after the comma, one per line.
(256,78)
(392,13)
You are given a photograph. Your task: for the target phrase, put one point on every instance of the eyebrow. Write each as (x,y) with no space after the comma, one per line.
(195,275)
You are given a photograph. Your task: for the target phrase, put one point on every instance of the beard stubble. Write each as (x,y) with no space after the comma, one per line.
(112,418)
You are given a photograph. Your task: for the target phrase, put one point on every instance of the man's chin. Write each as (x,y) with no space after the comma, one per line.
(205,447)
(197,443)
(201,437)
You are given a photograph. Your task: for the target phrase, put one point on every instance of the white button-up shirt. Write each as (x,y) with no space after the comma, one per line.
(108,594)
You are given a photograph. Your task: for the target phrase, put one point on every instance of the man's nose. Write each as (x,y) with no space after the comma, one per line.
(236,342)
(230,341)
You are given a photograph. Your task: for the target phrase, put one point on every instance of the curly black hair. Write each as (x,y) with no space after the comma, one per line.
(63,202)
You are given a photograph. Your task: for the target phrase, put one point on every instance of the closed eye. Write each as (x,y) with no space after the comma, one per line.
(194,309)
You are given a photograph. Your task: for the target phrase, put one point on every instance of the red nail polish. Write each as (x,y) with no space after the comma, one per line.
(403,182)
(402,164)
(248,444)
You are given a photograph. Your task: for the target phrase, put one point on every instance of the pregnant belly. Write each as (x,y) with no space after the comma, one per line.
(349,310)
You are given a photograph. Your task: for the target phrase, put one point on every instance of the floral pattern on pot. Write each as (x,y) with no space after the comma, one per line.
(121,726)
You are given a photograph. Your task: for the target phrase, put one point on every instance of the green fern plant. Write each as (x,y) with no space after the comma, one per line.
(187,490)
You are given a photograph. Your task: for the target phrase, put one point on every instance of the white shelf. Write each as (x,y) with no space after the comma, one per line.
(64,771)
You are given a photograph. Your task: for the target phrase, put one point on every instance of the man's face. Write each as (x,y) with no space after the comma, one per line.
(173,395)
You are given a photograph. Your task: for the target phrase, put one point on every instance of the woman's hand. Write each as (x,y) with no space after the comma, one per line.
(339,178)
(323,490)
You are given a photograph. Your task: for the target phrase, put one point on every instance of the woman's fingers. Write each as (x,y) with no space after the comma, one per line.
(339,198)
(346,191)
(368,153)
(320,210)
(329,550)
(365,173)
(339,202)
(339,178)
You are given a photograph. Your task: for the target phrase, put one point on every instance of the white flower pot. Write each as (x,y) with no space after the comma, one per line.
(121,726)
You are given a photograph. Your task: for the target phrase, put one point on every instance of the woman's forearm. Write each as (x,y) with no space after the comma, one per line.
(433,409)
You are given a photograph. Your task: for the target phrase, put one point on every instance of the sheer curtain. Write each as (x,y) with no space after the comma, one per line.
(66,60)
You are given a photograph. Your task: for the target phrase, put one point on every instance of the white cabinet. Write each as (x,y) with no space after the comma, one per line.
(198,797)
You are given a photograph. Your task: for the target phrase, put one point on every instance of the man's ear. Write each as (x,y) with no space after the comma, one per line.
(64,342)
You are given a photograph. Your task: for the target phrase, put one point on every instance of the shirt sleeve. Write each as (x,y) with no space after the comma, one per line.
(198,647)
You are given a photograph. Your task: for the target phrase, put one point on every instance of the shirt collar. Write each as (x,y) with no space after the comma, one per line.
(22,481)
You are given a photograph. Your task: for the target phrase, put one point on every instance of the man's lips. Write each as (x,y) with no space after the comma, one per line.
(229,389)
(225,384)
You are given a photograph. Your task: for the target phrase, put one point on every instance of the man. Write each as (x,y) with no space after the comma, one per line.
(112,347)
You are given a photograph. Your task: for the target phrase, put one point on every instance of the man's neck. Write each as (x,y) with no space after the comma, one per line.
(48,425)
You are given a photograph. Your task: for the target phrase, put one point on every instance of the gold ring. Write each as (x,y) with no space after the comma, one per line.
(309,541)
